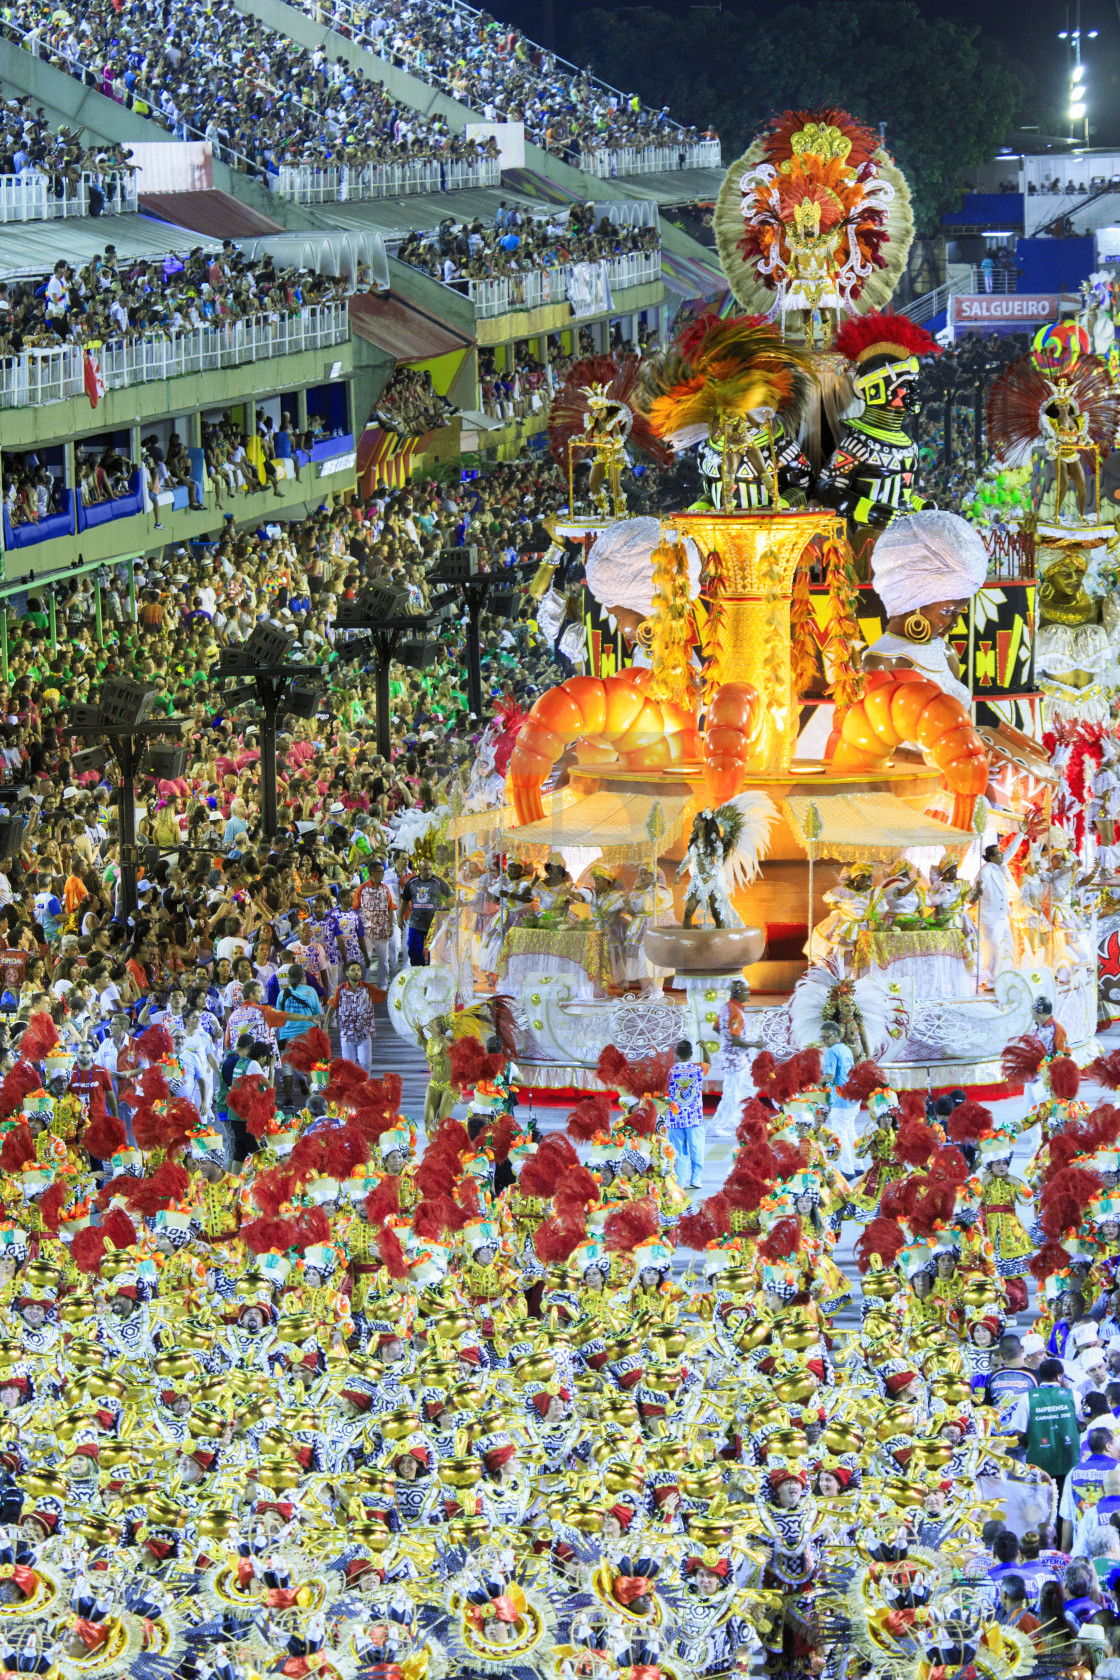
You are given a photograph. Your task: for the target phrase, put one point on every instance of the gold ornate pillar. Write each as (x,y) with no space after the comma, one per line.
(749,625)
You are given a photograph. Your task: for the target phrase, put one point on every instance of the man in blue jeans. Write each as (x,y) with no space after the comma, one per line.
(421,897)
(686,1116)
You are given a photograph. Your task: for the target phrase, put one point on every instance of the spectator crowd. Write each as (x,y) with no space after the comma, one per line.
(410,405)
(262,100)
(496,71)
(30,149)
(520,242)
(113,300)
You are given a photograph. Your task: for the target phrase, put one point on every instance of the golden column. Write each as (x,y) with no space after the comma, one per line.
(750,560)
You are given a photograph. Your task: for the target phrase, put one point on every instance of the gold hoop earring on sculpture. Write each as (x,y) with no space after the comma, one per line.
(917,628)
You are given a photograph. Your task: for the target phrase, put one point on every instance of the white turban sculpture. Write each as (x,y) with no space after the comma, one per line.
(619,568)
(927,557)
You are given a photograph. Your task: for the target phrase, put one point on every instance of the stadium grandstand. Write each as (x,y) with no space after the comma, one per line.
(309,252)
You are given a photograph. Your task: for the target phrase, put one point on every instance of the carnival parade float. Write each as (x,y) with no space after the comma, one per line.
(822,794)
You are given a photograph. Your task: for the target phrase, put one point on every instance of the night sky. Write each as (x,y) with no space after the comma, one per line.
(1027,31)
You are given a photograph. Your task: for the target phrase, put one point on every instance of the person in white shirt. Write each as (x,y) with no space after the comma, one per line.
(193,1083)
(201,1046)
(105,1056)
(232,947)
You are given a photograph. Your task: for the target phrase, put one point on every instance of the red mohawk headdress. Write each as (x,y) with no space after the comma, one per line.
(880,340)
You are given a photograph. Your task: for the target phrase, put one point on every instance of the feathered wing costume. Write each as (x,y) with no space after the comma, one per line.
(739,391)
(724,849)
(1022,393)
(612,381)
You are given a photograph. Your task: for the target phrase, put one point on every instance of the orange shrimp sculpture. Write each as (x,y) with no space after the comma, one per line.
(900,706)
(618,715)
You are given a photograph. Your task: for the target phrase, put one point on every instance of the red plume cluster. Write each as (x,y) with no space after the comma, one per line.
(18,1149)
(1050,1258)
(470,1062)
(882,1237)
(18,1082)
(864,1078)
(52,1202)
(1065,1078)
(87,1248)
(154,1044)
(166,1125)
(782,1241)
(169,1183)
(344,1076)
(152,1086)
(948,1166)
(556,1240)
(696,1231)
(926,1203)
(333,1153)
(392,1253)
(628,1225)
(273,1189)
(544,1171)
(119,1229)
(253,1100)
(497,1137)
(308,1050)
(763,1069)
(39,1038)
(795,1074)
(590,1116)
(104,1133)
(968,1122)
(1064,1199)
(1022,1059)
(266,1234)
(576,1189)
(1098,1130)
(915,1142)
(1106,1070)
(754,1121)
(610,1067)
(384,1199)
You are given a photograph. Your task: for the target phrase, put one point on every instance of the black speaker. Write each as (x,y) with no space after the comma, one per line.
(418,656)
(456,565)
(124,703)
(167,761)
(374,605)
(11,837)
(268,645)
(302,699)
(90,758)
(499,602)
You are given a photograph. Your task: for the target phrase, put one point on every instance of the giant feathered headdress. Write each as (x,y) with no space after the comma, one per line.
(815,190)
(611,379)
(715,369)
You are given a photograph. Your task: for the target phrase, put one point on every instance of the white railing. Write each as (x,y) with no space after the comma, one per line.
(30,195)
(926,305)
(609,161)
(634,268)
(308,184)
(539,287)
(43,376)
